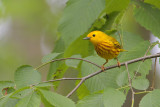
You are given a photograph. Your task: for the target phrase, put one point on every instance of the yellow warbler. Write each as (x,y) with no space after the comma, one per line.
(106,46)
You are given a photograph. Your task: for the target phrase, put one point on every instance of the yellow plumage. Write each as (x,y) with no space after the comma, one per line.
(106,46)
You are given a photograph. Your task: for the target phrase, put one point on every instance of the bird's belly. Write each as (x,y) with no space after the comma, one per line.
(107,53)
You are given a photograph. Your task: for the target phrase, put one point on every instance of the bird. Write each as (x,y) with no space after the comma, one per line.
(106,46)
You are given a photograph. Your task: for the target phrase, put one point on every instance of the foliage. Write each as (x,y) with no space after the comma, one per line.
(150,100)
(105,89)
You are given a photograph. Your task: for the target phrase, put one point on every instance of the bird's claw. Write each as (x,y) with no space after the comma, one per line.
(102,67)
(119,65)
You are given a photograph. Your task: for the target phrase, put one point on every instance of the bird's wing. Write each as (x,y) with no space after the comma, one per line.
(115,42)
(117,45)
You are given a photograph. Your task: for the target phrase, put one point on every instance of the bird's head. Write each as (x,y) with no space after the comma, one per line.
(96,37)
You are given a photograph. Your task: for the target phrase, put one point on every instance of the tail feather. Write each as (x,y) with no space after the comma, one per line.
(123,50)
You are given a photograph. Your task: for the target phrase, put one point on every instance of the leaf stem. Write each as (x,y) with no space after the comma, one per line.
(143,92)
(42,65)
(122,87)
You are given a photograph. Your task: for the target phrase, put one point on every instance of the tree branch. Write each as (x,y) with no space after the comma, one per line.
(77,59)
(95,73)
(66,59)
(110,67)
(57,80)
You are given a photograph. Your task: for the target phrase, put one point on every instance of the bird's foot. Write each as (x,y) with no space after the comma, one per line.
(119,65)
(102,67)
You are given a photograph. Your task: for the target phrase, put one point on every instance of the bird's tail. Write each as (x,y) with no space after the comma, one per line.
(123,50)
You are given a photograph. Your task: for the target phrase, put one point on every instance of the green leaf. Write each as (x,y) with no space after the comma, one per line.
(140,83)
(122,78)
(4,99)
(49,57)
(136,47)
(55,66)
(73,63)
(32,100)
(11,102)
(110,32)
(59,46)
(145,67)
(60,71)
(94,100)
(153,2)
(70,2)
(135,52)
(102,80)
(110,23)
(115,14)
(45,102)
(151,99)
(100,22)
(56,99)
(130,40)
(79,46)
(148,16)
(113,98)
(78,18)
(113,5)
(82,91)
(25,76)
(22,92)
(5,84)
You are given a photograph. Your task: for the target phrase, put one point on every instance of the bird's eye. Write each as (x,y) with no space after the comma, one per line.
(93,35)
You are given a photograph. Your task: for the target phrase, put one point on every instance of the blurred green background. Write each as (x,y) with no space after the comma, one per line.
(28,30)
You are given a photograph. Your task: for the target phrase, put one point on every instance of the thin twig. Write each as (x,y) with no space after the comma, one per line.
(122,87)
(154,74)
(79,84)
(57,80)
(142,61)
(130,84)
(62,79)
(137,70)
(66,59)
(120,39)
(150,46)
(143,92)
(147,50)
(77,59)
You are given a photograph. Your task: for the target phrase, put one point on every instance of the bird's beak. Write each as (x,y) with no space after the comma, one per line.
(86,38)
